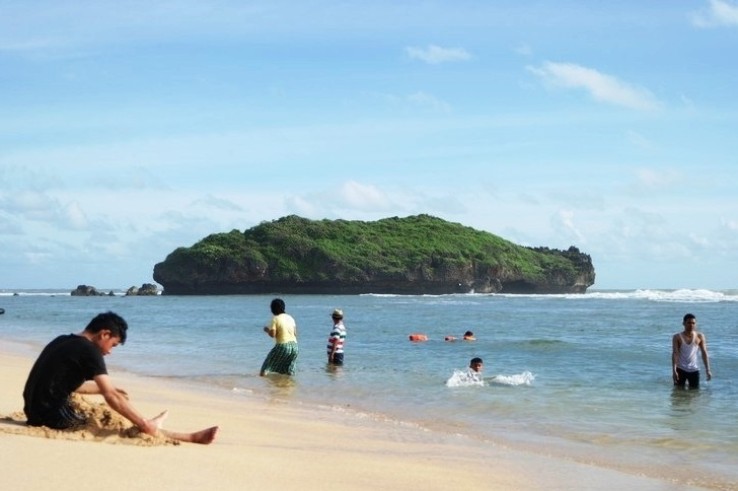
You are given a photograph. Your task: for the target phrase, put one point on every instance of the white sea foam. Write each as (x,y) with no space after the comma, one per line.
(677,295)
(525,378)
(34,293)
(464,378)
(699,295)
(680,295)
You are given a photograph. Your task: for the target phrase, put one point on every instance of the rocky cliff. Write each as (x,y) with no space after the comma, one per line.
(413,255)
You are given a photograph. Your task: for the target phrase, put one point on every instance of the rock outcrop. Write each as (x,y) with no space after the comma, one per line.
(413,255)
(88,291)
(147,289)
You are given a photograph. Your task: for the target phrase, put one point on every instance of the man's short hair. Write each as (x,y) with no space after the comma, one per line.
(688,317)
(476,360)
(277,306)
(111,321)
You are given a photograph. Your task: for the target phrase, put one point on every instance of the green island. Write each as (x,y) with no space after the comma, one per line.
(418,254)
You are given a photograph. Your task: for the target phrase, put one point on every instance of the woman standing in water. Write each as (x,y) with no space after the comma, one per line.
(283,356)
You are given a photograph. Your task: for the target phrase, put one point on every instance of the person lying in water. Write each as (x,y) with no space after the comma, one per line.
(74,363)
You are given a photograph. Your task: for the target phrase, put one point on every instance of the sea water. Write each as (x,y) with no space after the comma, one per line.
(584,377)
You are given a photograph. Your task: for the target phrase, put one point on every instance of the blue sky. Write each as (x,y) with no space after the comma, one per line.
(130,128)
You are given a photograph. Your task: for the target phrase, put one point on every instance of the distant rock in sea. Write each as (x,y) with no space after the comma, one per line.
(146,289)
(87,291)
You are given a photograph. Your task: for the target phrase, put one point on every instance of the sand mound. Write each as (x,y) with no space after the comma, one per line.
(103,424)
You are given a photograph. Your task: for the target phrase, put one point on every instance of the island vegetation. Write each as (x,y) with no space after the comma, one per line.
(412,255)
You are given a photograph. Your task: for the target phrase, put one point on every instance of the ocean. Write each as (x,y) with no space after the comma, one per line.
(584,377)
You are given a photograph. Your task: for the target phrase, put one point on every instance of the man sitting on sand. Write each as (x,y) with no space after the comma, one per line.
(73,363)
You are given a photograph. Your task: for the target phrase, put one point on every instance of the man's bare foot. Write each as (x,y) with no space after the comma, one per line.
(205,436)
(159,420)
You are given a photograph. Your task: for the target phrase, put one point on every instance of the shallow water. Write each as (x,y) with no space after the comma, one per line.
(583,376)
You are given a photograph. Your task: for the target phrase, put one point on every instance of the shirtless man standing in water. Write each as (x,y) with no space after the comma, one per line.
(684,354)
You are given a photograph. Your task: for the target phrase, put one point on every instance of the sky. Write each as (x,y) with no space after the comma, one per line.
(131,128)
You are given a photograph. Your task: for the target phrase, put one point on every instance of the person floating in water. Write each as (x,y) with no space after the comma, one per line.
(685,345)
(468,336)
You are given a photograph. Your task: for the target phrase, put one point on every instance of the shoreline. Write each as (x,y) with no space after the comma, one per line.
(272,444)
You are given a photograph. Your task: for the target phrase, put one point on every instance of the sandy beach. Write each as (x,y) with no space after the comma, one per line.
(268,445)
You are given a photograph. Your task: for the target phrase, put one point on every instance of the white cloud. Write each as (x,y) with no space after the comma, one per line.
(364,196)
(719,13)
(423,99)
(217,203)
(563,224)
(600,86)
(412,102)
(731,225)
(435,54)
(698,241)
(524,50)
(302,206)
(640,141)
(652,179)
(31,205)
(75,216)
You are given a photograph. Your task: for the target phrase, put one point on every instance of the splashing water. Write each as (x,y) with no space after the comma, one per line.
(465,378)
(525,378)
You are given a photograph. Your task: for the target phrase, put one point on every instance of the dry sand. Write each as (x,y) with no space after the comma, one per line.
(263,445)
